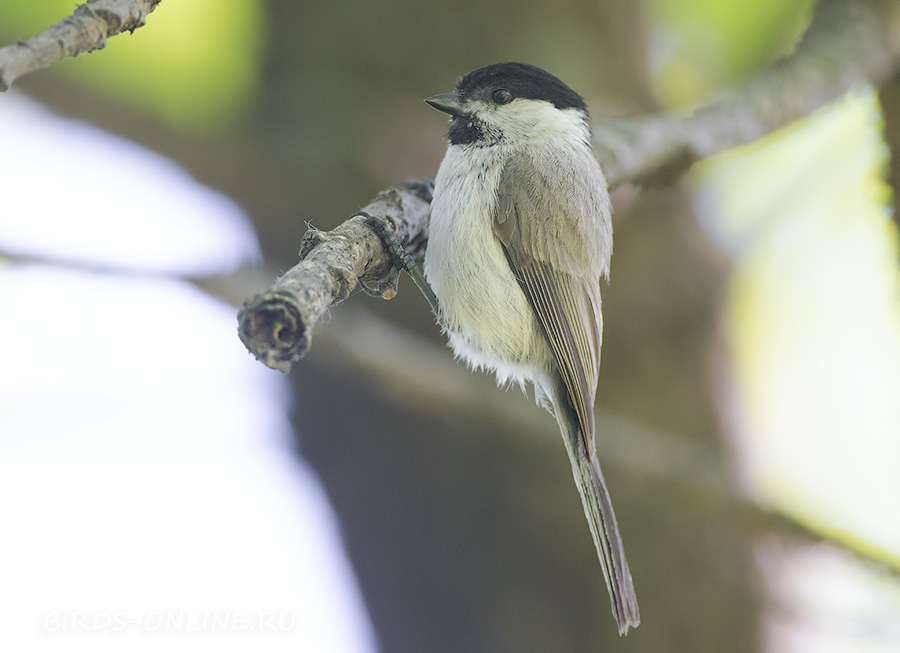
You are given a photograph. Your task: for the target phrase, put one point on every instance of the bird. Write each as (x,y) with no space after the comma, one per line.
(520,237)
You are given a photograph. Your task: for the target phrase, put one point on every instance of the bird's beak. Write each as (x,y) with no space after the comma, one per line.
(449,103)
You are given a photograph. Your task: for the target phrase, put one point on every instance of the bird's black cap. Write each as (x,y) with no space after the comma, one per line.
(522,80)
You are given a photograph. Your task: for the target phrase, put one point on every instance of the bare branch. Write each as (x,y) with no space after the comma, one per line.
(889,96)
(848,42)
(84,31)
(276,326)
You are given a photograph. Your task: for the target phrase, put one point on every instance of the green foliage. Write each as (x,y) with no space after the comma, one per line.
(699,45)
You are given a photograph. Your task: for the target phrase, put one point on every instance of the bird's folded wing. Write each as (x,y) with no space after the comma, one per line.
(542,230)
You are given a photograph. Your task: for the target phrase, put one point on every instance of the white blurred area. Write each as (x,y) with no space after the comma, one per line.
(823,600)
(813,321)
(149,494)
(73,193)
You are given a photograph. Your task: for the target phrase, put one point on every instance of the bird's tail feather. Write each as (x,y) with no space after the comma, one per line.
(605,531)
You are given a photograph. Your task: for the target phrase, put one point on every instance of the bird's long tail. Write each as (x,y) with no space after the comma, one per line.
(602,520)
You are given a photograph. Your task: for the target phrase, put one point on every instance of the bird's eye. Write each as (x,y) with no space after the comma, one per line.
(501,96)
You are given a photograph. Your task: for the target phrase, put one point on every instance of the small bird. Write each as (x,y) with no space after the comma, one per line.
(520,236)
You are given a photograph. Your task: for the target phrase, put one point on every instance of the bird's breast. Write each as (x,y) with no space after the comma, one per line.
(482,307)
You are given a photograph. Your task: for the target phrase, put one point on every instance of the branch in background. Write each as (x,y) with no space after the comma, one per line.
(889,96)
(848,42)
(419,375)
(84,31)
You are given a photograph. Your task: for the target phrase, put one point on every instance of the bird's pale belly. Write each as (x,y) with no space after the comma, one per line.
(488,319)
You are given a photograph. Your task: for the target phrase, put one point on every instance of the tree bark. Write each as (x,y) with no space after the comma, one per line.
(84,31)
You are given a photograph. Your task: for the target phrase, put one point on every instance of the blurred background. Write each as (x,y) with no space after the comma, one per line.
(382,497)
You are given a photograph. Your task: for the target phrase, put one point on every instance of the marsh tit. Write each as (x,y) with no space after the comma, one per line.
(519,240)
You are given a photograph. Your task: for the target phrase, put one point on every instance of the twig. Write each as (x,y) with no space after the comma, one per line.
(84,31)
(847,42)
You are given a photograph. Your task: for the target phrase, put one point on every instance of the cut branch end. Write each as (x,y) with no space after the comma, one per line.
(271,327)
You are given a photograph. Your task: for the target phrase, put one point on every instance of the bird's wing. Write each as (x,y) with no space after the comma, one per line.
(551,243)
(553,248)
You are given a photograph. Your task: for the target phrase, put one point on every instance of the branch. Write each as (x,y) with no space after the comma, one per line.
(889,96)
(276,326)
(848,42)
(84,31)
